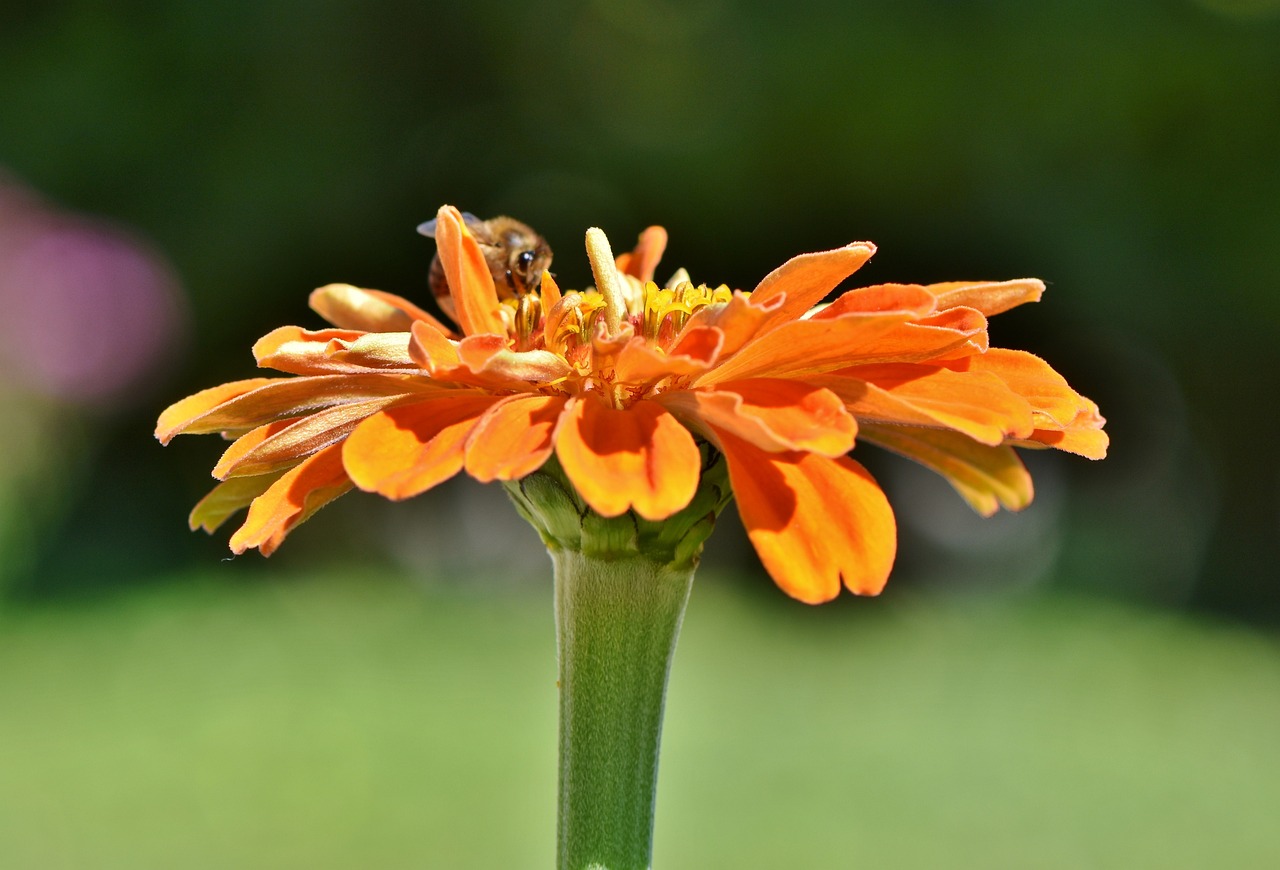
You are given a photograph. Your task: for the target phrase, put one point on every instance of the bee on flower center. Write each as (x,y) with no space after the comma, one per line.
(515,253)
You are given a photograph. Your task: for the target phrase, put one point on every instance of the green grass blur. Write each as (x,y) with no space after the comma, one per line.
(322,721)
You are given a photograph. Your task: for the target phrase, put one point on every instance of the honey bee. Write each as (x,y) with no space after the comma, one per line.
(516,255)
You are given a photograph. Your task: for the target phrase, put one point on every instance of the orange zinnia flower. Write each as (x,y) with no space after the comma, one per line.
(620,383)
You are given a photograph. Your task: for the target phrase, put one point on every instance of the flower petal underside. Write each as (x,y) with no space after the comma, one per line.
(987,477)
(356,308)
(292,500)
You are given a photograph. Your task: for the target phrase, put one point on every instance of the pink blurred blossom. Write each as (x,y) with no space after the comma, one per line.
(88,311)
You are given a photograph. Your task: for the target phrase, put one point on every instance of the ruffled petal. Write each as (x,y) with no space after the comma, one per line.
(275,399)
(292,500)
(980,405)
(816,522)
(514,438)
(739,320)
(640,458)
(880,297)
(989,297)
(490,355)
(1051,397)
(643,261)
(334,351)
(475,298)
(641,363)
(1083,436)
(987,477)
(276,445)
(228,498)
(803,281)
(181,415)
(804,347)
(773,414)
(348,307)
(406,450)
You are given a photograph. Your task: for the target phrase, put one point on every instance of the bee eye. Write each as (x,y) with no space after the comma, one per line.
(525,259)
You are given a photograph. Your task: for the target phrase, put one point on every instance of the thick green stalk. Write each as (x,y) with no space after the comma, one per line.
(616,625)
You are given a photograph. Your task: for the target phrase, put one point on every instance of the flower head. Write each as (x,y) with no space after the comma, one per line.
(623,382)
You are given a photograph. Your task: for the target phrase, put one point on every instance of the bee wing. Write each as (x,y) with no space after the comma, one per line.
(473,223)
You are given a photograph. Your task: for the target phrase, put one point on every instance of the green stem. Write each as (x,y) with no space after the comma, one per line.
(616,626)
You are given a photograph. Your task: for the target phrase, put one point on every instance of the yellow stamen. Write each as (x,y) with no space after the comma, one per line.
(608,281)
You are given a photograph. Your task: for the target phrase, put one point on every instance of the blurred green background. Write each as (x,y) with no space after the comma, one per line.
(1092,683)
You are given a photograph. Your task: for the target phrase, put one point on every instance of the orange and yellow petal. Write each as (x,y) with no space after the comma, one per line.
(475,298)
(639,458)
(989,297)
(739,320)
(514,438)
(334,351)
(804,281)
(228,498)
(276,445)
(183,414)
(773,414)
(987,477)
(406,450)
(880,297)
(275,399)
(1030,377)
(292,500)
(641,363)
(1083,436)
(348,307)
(804,347)
(642,262)
(980,405)
(816,522)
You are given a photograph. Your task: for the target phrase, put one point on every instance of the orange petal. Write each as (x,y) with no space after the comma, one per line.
(270,447)
(640,458)
(880,297)
(640,363)
(989,297)
(275,399)
(334,351)
(773,414)
(292,500)
(431,349)
(227,498)
(804,347)
(348,307)
(1030,377)
(740,320)
(987,477)
(643,261)
(514,438)
(406,450)
(475,299)
(806,279)
(815,521)
(1082,436)
(980,405)
(491,355)
(550,292)
(176,418)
